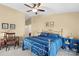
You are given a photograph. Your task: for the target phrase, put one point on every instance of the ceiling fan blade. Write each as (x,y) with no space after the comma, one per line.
(38,4)
(29,10)
(36,13)
(27,5)
(34,5)
(41,10)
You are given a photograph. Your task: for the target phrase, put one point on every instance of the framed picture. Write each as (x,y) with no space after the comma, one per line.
(12,26)
(5,25)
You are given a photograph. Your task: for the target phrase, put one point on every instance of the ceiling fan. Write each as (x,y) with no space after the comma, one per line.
(34,8)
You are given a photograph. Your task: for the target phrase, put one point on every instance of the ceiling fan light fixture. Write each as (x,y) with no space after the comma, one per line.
(34,10)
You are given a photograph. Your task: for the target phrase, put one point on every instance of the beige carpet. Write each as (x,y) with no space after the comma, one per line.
(20,52)
(66,52)
(15,52)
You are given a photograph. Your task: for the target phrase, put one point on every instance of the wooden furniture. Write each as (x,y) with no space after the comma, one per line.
(10,40)
(2,43)
(17,40)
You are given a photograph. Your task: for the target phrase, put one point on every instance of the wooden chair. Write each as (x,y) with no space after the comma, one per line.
(10,40)
(17,40)
(2,43)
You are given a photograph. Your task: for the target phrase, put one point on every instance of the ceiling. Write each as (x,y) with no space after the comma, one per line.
(49,7)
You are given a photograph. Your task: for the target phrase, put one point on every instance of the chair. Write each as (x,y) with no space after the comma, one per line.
(2,43)
(10,40)
(17,40)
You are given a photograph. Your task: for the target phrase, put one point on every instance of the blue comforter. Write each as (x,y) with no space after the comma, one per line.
(39,45)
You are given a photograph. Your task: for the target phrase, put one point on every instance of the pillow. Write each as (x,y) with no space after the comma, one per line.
(76,37)
(44,34)
(67,36)
(53,35)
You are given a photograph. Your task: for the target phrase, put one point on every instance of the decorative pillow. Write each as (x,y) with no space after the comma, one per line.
(76,37)
(44,34)
(53,35)
(67,36)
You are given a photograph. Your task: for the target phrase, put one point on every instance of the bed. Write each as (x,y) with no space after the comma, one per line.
(45,44)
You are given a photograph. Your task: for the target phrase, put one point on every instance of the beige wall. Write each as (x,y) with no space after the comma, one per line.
(11,16)
(68,21)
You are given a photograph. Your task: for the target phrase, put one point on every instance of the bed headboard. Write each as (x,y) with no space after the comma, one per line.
(54,31)
(60,32)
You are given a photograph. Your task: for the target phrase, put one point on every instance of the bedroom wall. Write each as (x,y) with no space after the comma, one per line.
(69,22)
(11,16)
